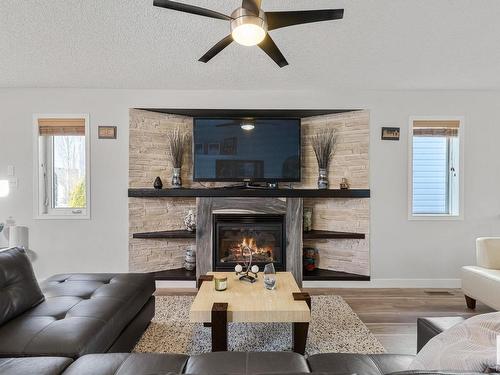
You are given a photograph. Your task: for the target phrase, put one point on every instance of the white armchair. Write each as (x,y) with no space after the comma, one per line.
(482,282)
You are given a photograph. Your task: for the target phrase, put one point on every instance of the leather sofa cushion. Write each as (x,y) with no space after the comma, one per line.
(371,364)
(239,363)
(82,314)
(128,364)
(34,365)
(19,290)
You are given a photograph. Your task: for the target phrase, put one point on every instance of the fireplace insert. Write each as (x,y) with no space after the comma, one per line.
(236,235)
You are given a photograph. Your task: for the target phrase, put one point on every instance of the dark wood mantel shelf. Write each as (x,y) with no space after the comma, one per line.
(314,234)
(259,193)
(325,234)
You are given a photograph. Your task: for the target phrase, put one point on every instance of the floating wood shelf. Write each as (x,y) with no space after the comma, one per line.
(320,274)
(179,274)
(325,234)
(166,234)
(246,193)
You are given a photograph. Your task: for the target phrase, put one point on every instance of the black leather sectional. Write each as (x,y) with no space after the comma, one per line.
(86,324)
(70,315)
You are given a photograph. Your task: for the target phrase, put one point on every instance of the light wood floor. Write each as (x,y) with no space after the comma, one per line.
(391,314)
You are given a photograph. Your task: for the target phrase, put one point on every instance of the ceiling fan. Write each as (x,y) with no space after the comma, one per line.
(250,25)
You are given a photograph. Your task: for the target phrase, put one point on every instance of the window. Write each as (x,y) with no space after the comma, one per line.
(435,181)
(62,166)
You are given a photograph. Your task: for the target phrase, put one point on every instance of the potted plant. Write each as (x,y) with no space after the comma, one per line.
(323,145)
(177,144)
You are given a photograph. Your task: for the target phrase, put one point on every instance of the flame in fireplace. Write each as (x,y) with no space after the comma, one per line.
(260,254)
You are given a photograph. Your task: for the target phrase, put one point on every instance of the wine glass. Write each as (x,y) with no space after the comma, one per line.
(269,276)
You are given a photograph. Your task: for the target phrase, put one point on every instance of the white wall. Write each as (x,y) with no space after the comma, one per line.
(423,253)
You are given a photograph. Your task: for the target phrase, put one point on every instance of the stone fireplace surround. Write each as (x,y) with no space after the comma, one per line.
(291,208)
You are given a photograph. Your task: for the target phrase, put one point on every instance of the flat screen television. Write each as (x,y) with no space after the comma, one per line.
(240,150)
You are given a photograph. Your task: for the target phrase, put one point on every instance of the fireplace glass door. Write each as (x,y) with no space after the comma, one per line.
(235,236)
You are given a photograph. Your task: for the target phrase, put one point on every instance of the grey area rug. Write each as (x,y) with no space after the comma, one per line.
(334,328)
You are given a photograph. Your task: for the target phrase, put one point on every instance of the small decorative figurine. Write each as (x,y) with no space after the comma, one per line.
(310,258)
(190,259)
(190,221)
(307,221)
(344,184)
(158,184)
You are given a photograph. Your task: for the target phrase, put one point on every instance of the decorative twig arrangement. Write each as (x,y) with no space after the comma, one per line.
(177,142)
(324,146)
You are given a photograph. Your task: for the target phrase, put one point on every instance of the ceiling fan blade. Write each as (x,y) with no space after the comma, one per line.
(276,20)
(216,49)
(190,9)
(272,50)
(252,5)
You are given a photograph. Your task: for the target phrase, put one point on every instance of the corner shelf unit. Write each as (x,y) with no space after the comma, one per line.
(320,274)
(316,275)
(166,234)
(326,234)
(178,274)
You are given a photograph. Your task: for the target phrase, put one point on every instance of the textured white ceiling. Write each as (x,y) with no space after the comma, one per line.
(380,44)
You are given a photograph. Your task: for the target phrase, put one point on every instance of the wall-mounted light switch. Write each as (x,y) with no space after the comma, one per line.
(10,170)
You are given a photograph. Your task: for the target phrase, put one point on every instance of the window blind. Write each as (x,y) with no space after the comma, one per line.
(61,126)
(435,128)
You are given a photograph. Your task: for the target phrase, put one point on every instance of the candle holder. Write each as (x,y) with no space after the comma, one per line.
(247,272)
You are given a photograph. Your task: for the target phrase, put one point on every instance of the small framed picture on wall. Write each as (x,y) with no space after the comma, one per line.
(390,134)
(106,132)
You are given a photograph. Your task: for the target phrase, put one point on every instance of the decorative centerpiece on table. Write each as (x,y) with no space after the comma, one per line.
(247,271)
(177,142)
(323,145)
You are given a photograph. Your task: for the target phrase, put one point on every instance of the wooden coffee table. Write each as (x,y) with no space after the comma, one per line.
(251,303)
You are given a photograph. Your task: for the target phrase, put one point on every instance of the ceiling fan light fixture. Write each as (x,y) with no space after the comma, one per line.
(248,29)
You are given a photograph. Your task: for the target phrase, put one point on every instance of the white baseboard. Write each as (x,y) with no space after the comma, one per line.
(388,283)
(375,283)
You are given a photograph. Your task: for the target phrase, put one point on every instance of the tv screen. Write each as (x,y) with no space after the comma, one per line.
(246,150)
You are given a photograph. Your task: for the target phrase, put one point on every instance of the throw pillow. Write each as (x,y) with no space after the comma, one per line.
(467,346)
(19,290)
